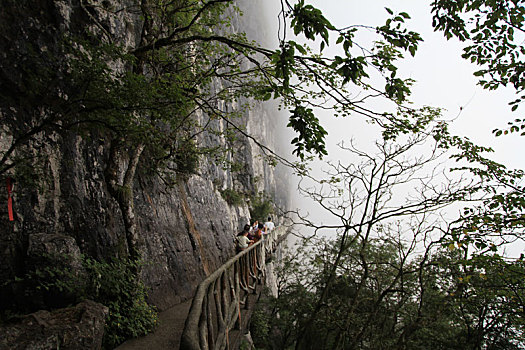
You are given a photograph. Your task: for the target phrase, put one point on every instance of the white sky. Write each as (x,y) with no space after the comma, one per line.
(443,79)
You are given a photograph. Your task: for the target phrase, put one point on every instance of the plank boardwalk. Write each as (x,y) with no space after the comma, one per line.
(166,335)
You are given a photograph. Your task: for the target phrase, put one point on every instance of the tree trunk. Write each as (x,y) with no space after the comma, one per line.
(120,174)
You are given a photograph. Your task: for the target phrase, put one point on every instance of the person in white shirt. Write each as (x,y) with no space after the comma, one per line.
(268,226)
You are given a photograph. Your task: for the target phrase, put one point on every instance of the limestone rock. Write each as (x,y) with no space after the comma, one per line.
(75,328)
(59,246)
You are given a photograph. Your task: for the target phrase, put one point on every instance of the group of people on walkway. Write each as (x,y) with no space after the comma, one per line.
(252,233)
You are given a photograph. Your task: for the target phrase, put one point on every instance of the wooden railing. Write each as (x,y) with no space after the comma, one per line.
(217,304)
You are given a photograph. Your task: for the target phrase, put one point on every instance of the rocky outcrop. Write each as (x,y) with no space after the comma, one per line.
(77,328)
(60,246)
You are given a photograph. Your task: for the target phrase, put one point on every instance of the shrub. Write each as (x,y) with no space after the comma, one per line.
(116,285)
(260,208)
(260,325)
(52,283)
(232,197)
(187,158)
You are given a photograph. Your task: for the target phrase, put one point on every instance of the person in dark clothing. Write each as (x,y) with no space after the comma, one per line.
(258,232)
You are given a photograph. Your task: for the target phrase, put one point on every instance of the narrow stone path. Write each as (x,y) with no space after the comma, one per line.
(168,333)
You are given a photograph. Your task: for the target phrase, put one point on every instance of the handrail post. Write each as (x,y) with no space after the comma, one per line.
(241,273)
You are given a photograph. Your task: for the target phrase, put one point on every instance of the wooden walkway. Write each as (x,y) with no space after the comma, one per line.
(166,335)
(245,270)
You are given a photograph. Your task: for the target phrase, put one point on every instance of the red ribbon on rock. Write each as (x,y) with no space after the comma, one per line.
(10,199)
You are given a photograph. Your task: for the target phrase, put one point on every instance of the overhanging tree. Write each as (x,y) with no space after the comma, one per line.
(155,96)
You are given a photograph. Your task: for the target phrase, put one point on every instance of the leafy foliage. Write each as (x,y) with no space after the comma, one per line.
(497,219)
(441,301)
(232,197)
(396,271)
(187,158)
(310,21)
(49,282)
(492,30)
(115,284)
(260,208)
(311,134)
(186,61)
(517,125)
(52,282)
(306,82)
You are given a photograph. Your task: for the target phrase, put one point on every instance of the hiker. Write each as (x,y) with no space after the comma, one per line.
(242,241)
(253,228)
(268,225)
(258,234)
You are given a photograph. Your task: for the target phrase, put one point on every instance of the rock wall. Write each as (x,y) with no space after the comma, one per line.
(186,231)
(80,328)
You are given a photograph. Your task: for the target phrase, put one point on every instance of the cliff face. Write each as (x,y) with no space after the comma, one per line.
(185,229)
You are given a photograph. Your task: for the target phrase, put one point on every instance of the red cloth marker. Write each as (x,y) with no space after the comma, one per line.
(10,199)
